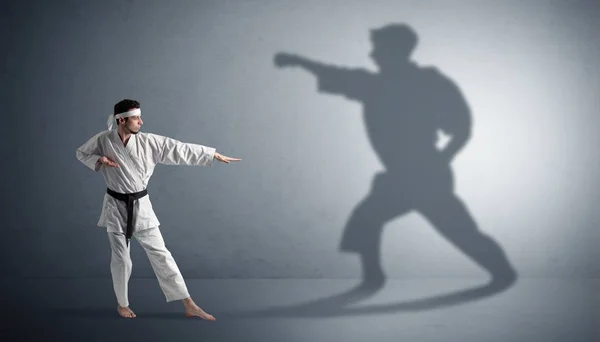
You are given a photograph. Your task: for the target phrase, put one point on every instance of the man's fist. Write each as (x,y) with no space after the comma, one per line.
(107,162)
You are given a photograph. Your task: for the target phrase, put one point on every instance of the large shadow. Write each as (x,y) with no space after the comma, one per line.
(405,107)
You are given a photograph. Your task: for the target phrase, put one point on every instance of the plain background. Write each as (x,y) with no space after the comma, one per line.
(204,73)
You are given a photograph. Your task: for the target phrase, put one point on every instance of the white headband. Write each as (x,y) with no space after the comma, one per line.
(112,118)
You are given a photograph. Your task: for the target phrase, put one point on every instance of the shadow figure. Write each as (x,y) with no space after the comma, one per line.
(406,108)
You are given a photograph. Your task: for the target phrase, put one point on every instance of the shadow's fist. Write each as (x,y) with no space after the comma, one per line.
(285,59)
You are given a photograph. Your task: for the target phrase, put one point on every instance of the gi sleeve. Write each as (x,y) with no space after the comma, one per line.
(89,153)
(170,151)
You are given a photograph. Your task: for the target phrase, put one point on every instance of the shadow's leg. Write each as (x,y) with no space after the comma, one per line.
(363,230)
(451,218)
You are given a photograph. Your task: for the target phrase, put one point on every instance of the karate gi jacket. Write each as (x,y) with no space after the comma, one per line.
(136,163)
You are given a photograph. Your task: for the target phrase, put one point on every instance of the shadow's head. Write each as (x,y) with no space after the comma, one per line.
(392,45)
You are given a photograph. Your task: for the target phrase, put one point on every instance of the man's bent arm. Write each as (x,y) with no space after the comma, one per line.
(89,154)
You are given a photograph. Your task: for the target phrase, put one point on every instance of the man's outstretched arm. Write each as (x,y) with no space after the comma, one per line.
(170,151)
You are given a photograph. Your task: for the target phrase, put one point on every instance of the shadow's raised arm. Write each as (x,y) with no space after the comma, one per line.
(352,83)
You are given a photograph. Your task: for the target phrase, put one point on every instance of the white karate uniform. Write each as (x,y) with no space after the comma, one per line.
(136,163)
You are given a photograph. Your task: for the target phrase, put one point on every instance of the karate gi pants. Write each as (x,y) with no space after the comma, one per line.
(169,277)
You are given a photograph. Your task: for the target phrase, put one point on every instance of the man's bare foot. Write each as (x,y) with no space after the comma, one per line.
(191,310)
(125,312)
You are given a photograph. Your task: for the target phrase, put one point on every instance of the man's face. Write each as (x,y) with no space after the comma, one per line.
(133,124)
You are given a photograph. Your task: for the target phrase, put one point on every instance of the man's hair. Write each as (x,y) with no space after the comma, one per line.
(125,105)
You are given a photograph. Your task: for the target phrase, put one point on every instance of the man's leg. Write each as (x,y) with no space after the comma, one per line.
(169,277)
(120,269)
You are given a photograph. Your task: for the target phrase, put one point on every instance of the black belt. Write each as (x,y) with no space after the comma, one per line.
(128,199)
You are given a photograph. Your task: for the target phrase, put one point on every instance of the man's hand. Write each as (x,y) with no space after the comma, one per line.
(107,162)
(224,159)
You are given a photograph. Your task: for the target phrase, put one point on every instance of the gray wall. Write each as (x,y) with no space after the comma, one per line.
(204,72)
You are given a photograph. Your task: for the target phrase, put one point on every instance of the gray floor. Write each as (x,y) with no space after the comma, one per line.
(306,310)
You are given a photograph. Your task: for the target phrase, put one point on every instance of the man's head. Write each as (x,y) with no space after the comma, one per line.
(392,44)
(131,124)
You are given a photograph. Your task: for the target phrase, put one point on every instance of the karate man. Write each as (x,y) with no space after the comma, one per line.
(126,159)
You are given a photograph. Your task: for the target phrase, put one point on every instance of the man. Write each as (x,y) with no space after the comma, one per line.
(126,159)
